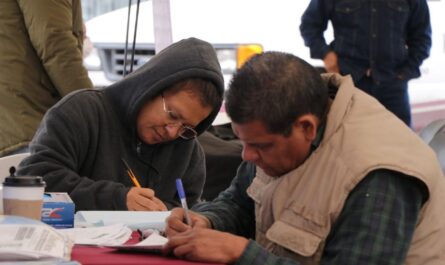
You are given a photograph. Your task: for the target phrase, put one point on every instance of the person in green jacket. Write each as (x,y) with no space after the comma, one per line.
(40,62)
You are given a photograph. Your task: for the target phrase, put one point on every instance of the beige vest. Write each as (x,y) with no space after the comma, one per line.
(295,212)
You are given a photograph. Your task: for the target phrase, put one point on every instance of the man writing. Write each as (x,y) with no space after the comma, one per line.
(331,177)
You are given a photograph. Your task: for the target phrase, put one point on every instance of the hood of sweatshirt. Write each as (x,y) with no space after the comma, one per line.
(188,58)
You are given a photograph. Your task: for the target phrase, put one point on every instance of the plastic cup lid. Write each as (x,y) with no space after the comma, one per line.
(24,181)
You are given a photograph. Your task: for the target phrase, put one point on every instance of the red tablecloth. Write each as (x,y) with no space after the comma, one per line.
(105,256)
(87,255)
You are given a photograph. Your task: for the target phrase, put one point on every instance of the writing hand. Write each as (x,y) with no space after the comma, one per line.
(331,62)
(175,222)
(207,245)
(143,199)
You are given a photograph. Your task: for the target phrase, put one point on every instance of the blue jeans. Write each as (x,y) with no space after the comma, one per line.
(394,96)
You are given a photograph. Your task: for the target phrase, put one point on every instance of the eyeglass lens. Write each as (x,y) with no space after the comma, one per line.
(185,132)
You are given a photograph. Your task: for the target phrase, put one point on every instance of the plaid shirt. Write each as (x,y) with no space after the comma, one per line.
(375,227)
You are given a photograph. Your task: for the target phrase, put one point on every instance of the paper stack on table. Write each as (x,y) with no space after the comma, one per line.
(25,239)
(116,234)
(133,219)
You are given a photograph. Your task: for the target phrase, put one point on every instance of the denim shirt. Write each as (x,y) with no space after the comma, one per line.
(389,37)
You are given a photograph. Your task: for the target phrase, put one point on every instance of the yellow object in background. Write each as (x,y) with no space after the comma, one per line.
(245,52)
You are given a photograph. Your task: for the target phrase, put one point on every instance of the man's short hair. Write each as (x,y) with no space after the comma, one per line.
(276,88)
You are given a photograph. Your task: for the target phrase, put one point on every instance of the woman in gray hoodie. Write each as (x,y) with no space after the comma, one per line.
(150,120)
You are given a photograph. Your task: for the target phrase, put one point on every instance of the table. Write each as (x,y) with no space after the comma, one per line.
(90,255)
(106,256)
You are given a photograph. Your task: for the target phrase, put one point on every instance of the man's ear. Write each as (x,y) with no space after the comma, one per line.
(308,124)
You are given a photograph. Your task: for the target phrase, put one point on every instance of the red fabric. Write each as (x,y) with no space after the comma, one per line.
(87,255)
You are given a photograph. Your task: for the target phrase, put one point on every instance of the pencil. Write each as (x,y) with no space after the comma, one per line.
(131,174)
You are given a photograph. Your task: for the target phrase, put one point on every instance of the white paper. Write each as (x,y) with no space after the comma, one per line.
(133,219)
(154,242)
(116,234)
(32,242)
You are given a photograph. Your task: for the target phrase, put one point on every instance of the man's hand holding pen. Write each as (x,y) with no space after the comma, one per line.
(198,241)
(176,222)
(144,199)
(190,236)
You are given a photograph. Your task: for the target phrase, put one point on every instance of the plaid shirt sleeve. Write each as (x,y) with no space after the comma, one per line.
(233,210)
(375,226)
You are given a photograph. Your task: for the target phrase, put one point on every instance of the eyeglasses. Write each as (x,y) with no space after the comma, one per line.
(185,132)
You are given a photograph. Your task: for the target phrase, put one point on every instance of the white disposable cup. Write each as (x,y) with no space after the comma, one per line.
(23,196)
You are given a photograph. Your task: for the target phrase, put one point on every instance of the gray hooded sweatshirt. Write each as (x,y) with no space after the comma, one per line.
(82,140)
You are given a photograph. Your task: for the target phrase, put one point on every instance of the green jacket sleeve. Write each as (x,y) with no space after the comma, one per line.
(55,31)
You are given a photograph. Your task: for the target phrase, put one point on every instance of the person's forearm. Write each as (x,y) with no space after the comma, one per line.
(233,210)
(51,33)
(418,39)
(314,22)
(229,213)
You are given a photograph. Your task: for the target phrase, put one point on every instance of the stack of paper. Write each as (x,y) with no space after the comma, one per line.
(26,239)
(116,234)
(133,219)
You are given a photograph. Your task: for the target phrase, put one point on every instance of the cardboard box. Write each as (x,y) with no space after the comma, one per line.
(58,210)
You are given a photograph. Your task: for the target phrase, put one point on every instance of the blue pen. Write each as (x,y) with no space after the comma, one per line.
(181,194)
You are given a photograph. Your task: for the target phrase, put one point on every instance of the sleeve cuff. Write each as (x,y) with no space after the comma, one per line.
(120,198)
(321,52)
(215,221)
(252,254)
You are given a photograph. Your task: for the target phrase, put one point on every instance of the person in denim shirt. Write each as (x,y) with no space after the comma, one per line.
(381,43)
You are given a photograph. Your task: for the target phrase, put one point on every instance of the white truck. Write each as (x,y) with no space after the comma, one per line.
(227,24)
(230,25)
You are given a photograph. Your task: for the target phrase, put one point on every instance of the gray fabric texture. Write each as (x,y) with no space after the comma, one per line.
(82,139)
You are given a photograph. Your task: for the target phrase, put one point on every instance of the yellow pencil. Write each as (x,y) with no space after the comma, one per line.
(131,174)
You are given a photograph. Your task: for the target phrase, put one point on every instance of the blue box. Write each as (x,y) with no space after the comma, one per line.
(58,210)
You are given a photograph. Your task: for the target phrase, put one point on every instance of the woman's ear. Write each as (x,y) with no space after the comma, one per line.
(308,124)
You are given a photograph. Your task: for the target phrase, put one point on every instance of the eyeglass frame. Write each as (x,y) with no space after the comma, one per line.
(182,127)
